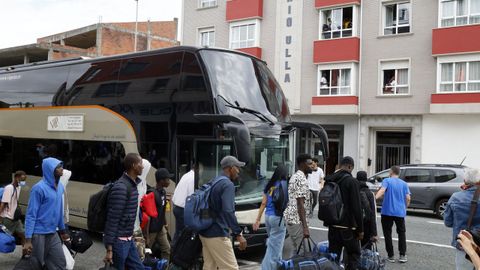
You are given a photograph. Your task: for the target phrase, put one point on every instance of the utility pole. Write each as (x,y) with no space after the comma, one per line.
(136,28)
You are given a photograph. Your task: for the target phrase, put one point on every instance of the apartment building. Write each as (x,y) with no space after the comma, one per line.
(391,81)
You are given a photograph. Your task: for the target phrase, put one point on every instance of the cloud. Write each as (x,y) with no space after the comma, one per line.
(23,21)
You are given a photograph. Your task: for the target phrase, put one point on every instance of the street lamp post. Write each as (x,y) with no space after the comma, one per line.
(136,28)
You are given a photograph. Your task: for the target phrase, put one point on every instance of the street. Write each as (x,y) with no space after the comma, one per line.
(427,247)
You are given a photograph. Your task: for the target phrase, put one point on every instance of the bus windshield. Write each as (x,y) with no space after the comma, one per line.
(230,76)
(267,154)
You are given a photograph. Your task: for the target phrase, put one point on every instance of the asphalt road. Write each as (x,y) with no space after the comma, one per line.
(427,247)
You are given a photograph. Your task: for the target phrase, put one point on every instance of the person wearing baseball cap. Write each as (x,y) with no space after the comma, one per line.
(217,246)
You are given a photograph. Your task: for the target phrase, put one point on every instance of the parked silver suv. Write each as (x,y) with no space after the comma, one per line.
(431,185)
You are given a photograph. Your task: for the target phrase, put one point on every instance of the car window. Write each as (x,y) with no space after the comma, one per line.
(380,176)
(417,175)
(441,176)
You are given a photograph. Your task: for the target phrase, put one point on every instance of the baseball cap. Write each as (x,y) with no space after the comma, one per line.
(230,161)
(163,173)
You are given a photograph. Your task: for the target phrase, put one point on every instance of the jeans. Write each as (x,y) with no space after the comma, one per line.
(387,224)
(179,222)
(460,262)
(125,254)
(276,235)
(339,238)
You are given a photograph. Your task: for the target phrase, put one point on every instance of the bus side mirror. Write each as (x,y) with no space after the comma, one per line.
(237,129)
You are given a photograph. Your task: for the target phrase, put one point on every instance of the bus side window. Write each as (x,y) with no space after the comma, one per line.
(5,161)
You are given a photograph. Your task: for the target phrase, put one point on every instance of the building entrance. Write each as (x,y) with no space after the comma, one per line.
(393,148)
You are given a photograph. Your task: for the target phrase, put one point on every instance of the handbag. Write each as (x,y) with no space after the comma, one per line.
(70,262)
(311,259)
(28,263)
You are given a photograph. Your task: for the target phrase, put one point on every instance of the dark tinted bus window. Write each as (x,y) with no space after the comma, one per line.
(444,175)
(192,77)
(89,161)
(32,87)
(5,161)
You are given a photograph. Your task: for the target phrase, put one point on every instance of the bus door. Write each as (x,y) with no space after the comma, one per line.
(6,160)
(209,153)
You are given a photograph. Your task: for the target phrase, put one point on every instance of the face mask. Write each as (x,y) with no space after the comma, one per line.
(22,183)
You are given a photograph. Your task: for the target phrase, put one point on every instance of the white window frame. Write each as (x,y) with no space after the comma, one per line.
(207,3)
(322,19)
(394,64)
(468,15)
(454,60)
(256,40)
(353,78)
(202,31)
(396,26)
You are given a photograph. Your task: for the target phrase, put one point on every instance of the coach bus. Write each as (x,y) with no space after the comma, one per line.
(173,106)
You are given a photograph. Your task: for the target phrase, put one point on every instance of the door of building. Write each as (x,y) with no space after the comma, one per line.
(393,148)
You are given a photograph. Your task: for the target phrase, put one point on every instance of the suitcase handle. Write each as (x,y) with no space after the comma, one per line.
(310,242)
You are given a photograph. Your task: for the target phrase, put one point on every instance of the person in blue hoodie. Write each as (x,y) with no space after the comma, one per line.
(44,215)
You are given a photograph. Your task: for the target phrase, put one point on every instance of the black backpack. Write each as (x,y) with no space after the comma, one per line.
(365,203)
(186,249)
(330,203)
(97,207)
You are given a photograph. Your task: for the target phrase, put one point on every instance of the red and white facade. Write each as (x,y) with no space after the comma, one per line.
(392,81)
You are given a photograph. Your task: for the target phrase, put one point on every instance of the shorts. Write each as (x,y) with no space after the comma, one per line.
(14,226)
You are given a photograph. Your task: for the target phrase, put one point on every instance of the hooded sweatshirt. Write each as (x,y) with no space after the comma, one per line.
(142,190)
(45,208)
(351,199)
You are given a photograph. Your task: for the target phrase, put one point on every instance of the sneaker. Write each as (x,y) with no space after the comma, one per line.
(391,259)
(403,259)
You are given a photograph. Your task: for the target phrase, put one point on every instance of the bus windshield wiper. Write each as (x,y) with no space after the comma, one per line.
(237,106)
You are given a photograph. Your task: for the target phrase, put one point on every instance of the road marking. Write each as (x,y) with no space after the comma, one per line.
(245,262)
(435,222)
(396,239)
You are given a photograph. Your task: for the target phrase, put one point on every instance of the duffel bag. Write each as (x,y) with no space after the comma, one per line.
(187,248)
(7,241)
(311,259)
(370,259)
(81,241)
(28,263)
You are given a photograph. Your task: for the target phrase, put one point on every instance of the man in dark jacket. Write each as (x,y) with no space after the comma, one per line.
(121,213)
(349,230)
(370,218)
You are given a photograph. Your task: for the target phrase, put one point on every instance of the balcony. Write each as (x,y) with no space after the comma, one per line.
(254,51)
(346,105)
(336,50)
(454,40)
(331,3)
(244,9)
(455,103)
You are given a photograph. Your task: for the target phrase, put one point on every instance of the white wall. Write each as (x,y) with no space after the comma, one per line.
(449,138)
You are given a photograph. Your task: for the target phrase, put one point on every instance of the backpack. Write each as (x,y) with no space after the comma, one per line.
(198,215)
(186,249)
(330,203)
(365,203)
(97,207)
(280,199)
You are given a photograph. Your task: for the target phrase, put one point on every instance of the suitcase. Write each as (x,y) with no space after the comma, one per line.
(28,263)
(311,259)
(80,241)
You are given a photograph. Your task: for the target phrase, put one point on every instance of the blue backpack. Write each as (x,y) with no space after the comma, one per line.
(197,213)
(280,198)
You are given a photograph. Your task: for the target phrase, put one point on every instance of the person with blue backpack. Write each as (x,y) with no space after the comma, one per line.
(217,245)
(274,201)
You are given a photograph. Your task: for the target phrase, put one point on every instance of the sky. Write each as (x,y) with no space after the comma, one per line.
(23,21)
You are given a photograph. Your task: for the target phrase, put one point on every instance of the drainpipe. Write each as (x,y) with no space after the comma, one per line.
(359,88)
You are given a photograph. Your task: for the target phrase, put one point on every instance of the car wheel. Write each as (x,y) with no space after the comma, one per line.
(440,207)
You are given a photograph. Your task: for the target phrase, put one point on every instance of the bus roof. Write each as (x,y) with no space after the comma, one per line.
(76,60)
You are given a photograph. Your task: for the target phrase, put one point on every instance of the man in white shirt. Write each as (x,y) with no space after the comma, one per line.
(315,183)
(185,187)
(9,203)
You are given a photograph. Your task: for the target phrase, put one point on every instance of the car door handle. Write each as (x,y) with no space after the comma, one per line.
(429,188)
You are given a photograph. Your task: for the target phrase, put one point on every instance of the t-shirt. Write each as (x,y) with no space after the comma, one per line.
(314,179)
(270,208)
(297,188)
(184,188)
(394,201)
(10,196)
